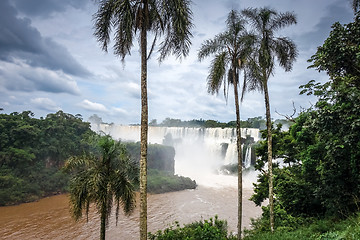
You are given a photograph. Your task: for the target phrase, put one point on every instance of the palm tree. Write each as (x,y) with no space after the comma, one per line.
(170,19)
(356,5)
(101,176)
(230,49)
(265,22)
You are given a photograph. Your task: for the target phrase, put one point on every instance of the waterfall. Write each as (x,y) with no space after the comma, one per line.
(199,148)
(247,159)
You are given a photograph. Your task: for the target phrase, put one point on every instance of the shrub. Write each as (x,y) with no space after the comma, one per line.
(201,230)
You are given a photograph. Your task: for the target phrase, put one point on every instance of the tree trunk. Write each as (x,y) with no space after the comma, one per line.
(239,152)
(269,143)
(144,130)
(103,223)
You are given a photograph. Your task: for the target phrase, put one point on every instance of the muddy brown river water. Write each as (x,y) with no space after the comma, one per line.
(49,218)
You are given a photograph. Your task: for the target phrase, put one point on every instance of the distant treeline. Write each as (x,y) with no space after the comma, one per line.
(255,122)
(33,152)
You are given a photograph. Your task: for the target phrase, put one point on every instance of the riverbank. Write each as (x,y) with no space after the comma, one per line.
(158,182)
(49,218)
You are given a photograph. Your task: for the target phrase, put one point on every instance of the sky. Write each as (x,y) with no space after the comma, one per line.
(50,61)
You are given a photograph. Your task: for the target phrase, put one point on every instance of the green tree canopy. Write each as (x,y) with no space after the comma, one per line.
(33,150)
(339,56)
(321,151)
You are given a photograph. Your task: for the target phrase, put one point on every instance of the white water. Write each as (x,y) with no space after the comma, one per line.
(198,151)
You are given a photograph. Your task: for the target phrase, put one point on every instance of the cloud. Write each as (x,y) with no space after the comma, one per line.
(92,106)
(19,40)
(19,76)
(120,111)
(120,114)
(45,104)
(45,8)
(334,12)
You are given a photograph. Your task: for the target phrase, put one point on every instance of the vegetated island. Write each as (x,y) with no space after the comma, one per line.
(33,152)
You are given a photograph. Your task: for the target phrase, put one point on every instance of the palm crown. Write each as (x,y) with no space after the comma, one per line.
(230,49)
(265,23)
(168,18)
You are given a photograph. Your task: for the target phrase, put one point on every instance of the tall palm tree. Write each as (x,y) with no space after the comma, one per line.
(101,176)
(170,19)
(265,22)
(230,50)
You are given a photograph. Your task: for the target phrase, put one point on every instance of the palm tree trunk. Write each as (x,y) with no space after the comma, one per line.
(269,143)
(103,223)
(144,130)
(239,152)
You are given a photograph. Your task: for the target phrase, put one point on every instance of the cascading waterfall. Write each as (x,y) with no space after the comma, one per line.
(247,160)
(197,150)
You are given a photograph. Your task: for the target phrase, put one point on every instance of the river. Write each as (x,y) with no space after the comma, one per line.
(50,218)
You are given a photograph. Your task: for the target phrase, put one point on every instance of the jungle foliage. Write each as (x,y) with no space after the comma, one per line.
(160,157)
(161,182)
(318,176)
(32,151)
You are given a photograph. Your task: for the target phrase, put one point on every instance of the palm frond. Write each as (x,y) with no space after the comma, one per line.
(254,77)
(123,192)
(80,195)
(246,43)
(79,162)
(217,73)
(103,22)
(253,15)
(212,46)
(244,88)
(177,21)
(282,20)
(356,5)
(152,46)
(128,198)
(235,23)
(286,52)
(124,22)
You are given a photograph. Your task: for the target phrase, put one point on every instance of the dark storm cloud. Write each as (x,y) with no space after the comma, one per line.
(44,8)
(19,40)
(337,12)
(21,77)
